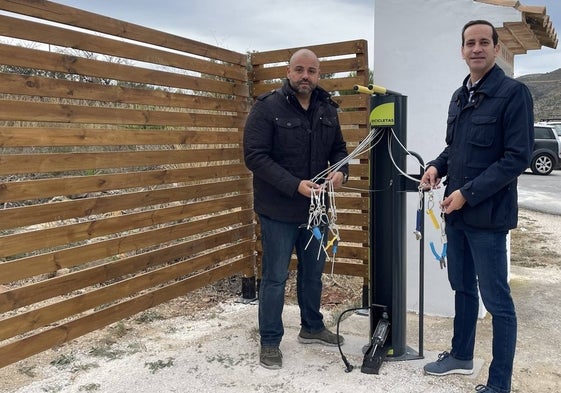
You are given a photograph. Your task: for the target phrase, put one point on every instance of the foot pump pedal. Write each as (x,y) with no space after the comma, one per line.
(376,352)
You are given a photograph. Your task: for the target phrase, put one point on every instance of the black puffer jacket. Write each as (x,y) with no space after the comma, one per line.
(283,144)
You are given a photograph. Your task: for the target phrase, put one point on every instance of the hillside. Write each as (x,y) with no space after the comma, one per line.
(546,90)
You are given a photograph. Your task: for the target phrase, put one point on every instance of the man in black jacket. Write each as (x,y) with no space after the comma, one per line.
(291,135)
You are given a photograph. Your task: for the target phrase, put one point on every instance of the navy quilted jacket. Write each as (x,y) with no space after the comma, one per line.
(489,144)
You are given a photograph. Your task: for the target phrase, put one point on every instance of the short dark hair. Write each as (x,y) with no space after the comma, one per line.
(481,22)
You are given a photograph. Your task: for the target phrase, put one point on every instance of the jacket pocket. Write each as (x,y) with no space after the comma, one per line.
(481,139)
(328,125)
(482,131)
(450,129)
(290,133)
(496,212)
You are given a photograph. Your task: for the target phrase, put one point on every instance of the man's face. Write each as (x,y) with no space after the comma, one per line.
(303,74)
(478,50)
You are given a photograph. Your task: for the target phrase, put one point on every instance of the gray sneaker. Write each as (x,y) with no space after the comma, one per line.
(324,337)
(271,358)
(448,364)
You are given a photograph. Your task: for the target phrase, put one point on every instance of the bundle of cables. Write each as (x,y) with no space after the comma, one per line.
(322,219)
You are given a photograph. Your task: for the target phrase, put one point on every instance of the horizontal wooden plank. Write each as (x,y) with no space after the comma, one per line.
(35,343)
(348,202)
(331,85)
(348,235)
(88,20)
(353,219)
(348,65)
(92,43)
(345,102)
(68,64)
(147,95)
(74,185)
(349,269)
(359,235)
(92,206)
(354,135)
(357,185)
(56,136)
(353,117)
(345,268)
(50,237)
(69,306)
(35,292)
(61,113)
(344,252)
(80,255)
(353,101)
(323,50)
(11,164)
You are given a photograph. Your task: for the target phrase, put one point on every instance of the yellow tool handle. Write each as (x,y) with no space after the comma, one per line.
(373,89)
(433,218)
(363,89)
(378,89)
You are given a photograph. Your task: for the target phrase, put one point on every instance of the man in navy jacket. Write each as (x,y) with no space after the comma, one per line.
(489,140)
(291,135)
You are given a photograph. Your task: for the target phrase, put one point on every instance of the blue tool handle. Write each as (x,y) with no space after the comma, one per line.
(434,251)
(316,232)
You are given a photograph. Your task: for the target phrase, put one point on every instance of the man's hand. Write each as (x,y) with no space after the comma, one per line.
(430,179)
(454,201)
(305,188)
(336,178)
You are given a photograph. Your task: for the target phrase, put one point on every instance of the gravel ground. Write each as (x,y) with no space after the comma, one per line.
(215,349)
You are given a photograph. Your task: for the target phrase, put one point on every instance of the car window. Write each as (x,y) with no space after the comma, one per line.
(543,133)
(557,128)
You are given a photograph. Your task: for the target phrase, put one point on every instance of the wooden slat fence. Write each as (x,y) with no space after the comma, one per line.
(122,183)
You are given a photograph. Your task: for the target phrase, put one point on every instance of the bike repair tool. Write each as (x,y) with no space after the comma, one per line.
(417,232)
(441,258)
(430,205)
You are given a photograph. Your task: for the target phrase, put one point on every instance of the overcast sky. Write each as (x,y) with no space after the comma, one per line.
(260,25)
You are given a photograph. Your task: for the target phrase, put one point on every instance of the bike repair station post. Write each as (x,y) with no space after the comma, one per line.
(388,262)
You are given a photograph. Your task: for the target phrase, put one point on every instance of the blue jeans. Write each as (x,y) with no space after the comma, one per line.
(479,256)
(278,240)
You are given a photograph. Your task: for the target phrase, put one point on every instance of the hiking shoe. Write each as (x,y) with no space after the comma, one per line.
(448,364)
(271,358)
(484,389)
(324,337)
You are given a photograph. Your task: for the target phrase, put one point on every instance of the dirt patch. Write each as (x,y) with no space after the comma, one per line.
(533,243)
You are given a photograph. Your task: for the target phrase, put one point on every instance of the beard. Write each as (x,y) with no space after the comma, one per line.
(302,87)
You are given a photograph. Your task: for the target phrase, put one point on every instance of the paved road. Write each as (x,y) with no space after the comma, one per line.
(540,193)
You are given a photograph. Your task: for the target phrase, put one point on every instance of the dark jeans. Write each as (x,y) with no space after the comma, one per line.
(278,240)
(479,256)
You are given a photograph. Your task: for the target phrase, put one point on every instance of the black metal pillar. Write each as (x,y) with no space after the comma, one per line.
(387,215)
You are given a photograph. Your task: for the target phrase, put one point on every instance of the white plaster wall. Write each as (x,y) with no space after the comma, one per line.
(417,53)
